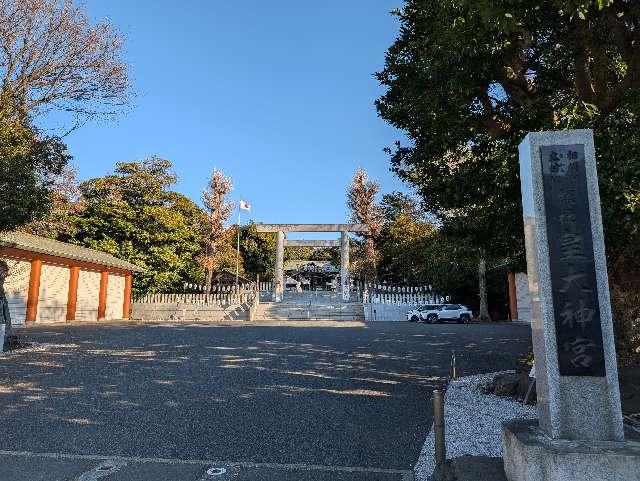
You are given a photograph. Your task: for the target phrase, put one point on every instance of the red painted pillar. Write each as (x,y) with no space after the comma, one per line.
(102,298)
(513,296)
(34,291)
(72,297)
(126,305)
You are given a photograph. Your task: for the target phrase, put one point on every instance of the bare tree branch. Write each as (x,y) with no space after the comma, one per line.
(52,57)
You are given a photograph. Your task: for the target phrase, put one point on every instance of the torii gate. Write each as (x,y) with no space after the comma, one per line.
(280,229)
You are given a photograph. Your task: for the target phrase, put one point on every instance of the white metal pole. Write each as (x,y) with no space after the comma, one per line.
(238,247)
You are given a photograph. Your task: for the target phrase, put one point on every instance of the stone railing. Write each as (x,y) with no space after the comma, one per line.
(403,298)
(253,307)
(231,306)
(400,295)
(221,299)
(391,303)
(190,288)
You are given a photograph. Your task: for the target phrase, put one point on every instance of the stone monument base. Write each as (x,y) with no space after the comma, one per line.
(530,455)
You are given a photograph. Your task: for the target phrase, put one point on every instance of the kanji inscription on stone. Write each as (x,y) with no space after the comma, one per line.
(571,258)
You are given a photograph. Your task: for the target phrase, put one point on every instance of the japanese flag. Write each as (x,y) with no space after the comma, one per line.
(245,205)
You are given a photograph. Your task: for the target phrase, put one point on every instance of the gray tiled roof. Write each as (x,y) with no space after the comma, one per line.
(42,245)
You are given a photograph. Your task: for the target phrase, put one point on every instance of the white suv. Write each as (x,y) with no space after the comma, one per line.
(450,312)
(421,313)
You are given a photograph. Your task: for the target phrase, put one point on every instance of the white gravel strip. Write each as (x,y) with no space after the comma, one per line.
(472,422)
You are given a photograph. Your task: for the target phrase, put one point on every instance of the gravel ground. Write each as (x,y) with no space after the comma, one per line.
(472,422)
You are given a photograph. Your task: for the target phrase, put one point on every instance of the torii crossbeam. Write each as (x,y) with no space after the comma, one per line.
(280,229)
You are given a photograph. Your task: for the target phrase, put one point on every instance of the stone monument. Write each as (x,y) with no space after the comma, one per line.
(579,435)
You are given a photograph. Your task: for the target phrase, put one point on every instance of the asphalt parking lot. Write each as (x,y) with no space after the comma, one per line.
(172,402)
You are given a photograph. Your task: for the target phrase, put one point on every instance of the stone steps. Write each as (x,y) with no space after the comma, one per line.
(288,311)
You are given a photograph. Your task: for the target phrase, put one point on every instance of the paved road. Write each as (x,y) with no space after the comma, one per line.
(262,402)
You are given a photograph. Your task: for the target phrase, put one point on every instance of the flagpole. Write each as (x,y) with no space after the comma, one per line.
(238,247)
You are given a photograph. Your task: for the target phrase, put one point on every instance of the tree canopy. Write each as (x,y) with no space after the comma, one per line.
(466,80)
(258,251)
(134,215)
(29,167)
(219,209)
(403,241)
(361,201)
(53,58)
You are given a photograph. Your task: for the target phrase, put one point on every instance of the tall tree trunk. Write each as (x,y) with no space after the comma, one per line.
(208,281)
(482,286)
(371,263)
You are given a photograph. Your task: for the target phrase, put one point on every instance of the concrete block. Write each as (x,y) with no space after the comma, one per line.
(531,455)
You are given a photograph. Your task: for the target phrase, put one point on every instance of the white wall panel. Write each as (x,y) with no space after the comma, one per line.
(54,291)
(88,296)
(115,297)
(16,287)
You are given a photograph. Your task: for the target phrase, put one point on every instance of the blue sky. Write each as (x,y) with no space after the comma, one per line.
(277,94)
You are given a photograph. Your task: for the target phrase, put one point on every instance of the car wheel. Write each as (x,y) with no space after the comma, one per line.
(413,319)
(465,319)
(432,318)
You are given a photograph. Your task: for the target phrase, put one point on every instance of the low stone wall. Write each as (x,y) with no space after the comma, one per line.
(385,312)
(189,312)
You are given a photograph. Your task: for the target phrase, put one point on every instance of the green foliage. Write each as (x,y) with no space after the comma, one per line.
(331,254)
(258,251)
(134,215)
(401,245)
(619,174)
(227,257)
(298,253)
(415,251)
(397,203)
(29,164)
(65,204)
(467,79)
(626,313)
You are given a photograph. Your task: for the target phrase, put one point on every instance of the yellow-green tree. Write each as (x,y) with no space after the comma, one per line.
(361,201)
(219,209)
